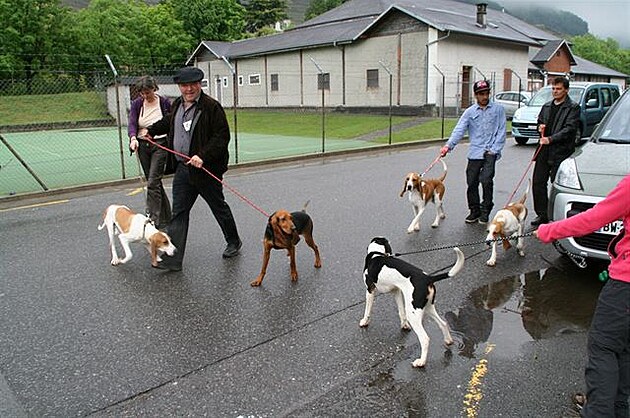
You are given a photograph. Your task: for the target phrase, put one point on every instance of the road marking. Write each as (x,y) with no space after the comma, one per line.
(36,205)
(136,191)
(475,394)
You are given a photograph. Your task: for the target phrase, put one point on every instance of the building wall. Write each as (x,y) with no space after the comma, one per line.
(489,59)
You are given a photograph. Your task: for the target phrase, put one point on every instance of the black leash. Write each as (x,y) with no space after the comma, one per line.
(466,244)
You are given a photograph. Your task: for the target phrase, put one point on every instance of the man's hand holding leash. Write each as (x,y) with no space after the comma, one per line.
(444,150)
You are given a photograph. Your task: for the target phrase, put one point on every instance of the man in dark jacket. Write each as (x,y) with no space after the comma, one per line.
(196,127)
(558,123)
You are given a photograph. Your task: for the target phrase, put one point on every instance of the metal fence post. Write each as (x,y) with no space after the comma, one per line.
(321,72)
(234,97)
(118,119)
(390,99)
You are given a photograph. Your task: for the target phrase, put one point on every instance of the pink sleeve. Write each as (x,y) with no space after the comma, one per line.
(615,206)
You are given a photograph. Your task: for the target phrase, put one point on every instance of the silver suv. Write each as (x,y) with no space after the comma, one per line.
(594,99)
(589,175)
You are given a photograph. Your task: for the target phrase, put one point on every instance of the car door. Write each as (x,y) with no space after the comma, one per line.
(592,111)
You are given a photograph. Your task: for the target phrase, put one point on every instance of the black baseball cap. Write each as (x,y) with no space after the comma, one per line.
(481,85)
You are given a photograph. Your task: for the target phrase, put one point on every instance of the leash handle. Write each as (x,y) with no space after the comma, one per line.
(231,189)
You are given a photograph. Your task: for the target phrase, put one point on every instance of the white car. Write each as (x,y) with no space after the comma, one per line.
(512,100)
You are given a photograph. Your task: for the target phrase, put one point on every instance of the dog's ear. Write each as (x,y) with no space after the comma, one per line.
(153,248)
(404,188)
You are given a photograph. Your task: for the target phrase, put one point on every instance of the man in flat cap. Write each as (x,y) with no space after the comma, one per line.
(485,123)
(196,127)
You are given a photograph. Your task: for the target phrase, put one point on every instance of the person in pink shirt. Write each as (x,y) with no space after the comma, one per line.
(607,373)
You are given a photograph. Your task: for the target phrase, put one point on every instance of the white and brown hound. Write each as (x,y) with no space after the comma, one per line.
(134,227)
(506,223)
(413,289)
(421,192)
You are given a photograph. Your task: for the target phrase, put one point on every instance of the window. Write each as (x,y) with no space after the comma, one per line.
(593,94)
(225,81)
(240,80)
(254,79)
(323,81)
(607,97)
(372,79)
(274,82)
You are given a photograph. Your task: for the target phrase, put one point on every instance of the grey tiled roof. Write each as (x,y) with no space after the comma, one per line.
(585,66)
(549,50)
(347,22)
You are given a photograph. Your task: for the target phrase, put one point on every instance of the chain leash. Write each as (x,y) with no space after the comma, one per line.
(466,244)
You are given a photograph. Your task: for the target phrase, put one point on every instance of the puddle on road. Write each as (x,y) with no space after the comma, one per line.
(532,306)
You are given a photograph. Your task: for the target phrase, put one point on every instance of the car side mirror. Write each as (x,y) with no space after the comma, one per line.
(591,103)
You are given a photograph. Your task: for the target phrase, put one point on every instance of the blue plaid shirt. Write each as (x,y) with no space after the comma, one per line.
(486,130)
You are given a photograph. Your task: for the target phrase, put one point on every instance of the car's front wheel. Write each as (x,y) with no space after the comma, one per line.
(520,140)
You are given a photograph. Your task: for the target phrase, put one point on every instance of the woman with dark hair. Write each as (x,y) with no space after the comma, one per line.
(146,109)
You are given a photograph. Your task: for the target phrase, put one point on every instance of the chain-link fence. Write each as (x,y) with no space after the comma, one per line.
(62,129)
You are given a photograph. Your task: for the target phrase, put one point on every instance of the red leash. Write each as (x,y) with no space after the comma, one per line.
(187,158)
(518,185)
(431,165)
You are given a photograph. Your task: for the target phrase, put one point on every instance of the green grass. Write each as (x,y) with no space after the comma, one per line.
(428,130)
(336,125)
(52,108)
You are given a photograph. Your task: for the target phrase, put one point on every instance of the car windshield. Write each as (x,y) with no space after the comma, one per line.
(544,95)
(616,125)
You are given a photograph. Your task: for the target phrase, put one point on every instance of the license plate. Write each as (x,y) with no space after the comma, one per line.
(612,228)
(532,127)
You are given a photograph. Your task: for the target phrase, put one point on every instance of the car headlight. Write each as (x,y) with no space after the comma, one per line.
(517,113)
(567,175)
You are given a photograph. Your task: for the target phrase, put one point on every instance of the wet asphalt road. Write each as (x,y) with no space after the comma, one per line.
(81,337)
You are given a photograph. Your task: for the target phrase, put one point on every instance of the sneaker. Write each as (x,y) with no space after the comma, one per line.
(483,218)
(472,218)
(232,250)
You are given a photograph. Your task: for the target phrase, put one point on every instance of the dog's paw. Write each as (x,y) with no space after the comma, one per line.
(158,258)
(448,343)
(443,216)
(405,326)
(418,363)
(521,253)
(115,261)
(491,263)
(364,322)
(435,225)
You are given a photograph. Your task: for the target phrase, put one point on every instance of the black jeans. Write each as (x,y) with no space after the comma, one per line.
(184,196)
(544,171)
(480,172)
(607,371)
(153,161)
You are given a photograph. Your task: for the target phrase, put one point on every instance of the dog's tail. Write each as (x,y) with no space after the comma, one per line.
(101,226)
(454,270)
(305,205)
(529,185)
(445,169)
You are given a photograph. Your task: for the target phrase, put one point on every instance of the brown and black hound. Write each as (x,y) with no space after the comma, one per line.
(283,232)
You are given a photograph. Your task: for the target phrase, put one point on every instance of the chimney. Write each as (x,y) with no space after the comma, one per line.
(481,14)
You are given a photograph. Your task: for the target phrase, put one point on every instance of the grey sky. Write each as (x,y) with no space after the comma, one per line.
(605,18)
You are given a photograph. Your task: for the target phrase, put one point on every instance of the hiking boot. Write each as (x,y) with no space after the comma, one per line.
(232,250)
(472,218)
(483,218)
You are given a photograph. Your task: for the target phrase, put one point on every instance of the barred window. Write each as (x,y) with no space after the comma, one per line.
(274,82)
(323,81)
(240,80)
(372,79)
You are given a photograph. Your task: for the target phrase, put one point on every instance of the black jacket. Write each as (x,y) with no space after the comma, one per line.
(209,140)
(562,133)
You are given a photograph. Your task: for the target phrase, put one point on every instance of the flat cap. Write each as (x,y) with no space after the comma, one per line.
(188,75)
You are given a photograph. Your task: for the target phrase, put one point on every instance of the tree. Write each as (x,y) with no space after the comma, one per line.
(604,52)
(263,13)
(317,7)
(210,20)
(31,33)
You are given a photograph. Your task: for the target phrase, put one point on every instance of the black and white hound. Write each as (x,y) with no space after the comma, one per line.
(413,290)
